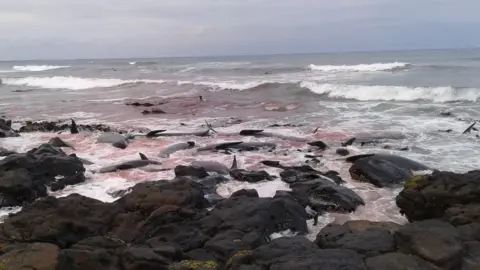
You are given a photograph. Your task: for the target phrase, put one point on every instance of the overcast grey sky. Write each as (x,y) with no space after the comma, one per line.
(32,29)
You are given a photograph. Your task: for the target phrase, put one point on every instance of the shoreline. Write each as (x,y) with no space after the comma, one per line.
(183,222)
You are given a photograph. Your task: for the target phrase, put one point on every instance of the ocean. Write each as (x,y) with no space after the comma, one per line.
(344,94)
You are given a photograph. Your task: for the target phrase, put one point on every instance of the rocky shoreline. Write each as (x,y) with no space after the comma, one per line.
(182,223)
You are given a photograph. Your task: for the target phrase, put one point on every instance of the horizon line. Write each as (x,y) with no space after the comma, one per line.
(245,55)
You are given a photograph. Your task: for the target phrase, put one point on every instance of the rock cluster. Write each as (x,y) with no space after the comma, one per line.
(25,177)
(167,225)
(183,224)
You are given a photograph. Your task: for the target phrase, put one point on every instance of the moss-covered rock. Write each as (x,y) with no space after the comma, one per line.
(414,181)
(193,265)
(238,256)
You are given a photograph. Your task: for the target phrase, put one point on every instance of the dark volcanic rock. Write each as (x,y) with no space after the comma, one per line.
(198,172)
(18,187)
(471,258)
(299,253)
(398,261)
(250,176)
(158,207)
(62,221)
(246,192)
(46,126)
(384,170)
(445,195)
(262,215)
(5,124)
(5,152)
(148,196)
(23,177)
(432,240)
(41,256)
(143,258)
(92,253)
(469,232)
(57,142)
(6,129)
(323,194)
(370,239)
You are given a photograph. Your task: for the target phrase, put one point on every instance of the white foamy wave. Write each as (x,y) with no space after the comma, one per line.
(132,63)
(37,68)
(400,93)
(361,67)
(227,85)
(73,83)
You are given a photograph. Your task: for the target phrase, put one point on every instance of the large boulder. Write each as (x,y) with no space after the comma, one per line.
(471,258)
(443,195)
(398,261)
(62,221)
(18,187)
(251,214)
(152,207)
(367,238)
(299,253)
(149,196)
(92,253)
(432,240)
(322,193)
(5,152)
(39,256)
(24,177)
(6,129)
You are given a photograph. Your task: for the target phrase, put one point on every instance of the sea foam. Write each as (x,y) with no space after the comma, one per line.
(37,68)
(361,67)
(399,93)
(72,83)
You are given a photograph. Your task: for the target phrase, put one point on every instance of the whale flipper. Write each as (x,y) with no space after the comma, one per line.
(210,127)
(470,128)
(154,132)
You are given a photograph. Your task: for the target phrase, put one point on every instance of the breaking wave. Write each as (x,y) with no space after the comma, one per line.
(346,91)
(227,85)
(72,83)
(361,67)
(37,68)
(400,93)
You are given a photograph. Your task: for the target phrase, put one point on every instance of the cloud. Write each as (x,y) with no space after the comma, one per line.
(123,28)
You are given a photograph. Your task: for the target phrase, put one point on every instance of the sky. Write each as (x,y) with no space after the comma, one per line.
(59,29)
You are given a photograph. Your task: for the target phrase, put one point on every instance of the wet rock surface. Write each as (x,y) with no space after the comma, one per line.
(169,225)
(183,223)
(442,195)
(25,177)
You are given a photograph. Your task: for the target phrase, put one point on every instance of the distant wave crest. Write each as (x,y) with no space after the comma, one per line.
(72,83)
(399,93)
(361,67)
(37,68)
(346,91)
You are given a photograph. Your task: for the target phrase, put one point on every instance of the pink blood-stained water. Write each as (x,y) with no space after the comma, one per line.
(379,203)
